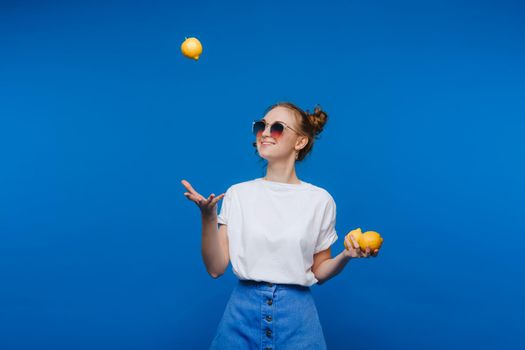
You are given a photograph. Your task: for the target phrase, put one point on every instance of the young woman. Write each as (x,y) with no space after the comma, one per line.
(277,231)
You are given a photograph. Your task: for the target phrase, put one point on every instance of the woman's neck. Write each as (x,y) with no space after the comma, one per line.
(284,178)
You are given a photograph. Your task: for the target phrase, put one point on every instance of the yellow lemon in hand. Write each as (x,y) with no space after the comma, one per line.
(357,234)
(191,48)
(371,239)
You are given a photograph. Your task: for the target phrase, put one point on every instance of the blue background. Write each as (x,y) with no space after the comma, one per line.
(101,117)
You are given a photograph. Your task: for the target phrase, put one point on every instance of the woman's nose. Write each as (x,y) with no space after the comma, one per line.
(266,131)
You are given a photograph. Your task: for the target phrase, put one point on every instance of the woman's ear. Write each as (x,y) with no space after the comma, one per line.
(302,143)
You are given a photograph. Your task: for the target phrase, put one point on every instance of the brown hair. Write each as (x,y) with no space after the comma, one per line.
(310,124)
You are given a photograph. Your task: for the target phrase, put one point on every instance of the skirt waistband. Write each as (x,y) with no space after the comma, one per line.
(271,284)
(258,283)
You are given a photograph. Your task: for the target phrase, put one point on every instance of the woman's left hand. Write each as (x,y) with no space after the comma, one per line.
(353,252)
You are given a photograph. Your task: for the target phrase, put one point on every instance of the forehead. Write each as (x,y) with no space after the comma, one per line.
(281,114)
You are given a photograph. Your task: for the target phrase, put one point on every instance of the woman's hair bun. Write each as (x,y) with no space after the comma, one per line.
(317,119)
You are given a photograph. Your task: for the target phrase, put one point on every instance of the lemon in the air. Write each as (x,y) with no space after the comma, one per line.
(191,48)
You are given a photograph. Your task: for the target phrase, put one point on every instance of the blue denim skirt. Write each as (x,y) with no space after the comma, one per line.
(264,316)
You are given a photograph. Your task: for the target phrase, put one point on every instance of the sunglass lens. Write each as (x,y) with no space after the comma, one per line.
(258,128)
(276,130)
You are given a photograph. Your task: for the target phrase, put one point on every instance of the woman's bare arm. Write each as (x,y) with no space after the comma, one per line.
(214,240)
(214,246)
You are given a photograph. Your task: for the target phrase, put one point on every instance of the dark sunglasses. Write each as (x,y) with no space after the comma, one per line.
(276,128)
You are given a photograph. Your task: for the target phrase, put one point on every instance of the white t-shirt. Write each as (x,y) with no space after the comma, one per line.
(275,228)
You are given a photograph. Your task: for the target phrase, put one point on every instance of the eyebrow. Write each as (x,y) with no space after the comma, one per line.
(274,121)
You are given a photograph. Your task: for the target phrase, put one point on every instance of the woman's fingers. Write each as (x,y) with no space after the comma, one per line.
(209,200)
(194,198)
(352,243)
(214,199)
(188,186)
(190,196)
(355,244)
(367,252)
(348,243)
(199,199)
(191,189)
(218,198)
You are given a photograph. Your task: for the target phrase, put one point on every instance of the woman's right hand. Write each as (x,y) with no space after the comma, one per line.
(206,205)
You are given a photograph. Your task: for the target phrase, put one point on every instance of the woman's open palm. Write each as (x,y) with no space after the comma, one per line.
(206,205)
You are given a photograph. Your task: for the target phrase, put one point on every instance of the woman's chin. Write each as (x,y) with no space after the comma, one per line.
(272,157)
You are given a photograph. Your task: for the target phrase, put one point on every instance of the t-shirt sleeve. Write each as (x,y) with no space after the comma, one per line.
(224,213)
(328,234)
